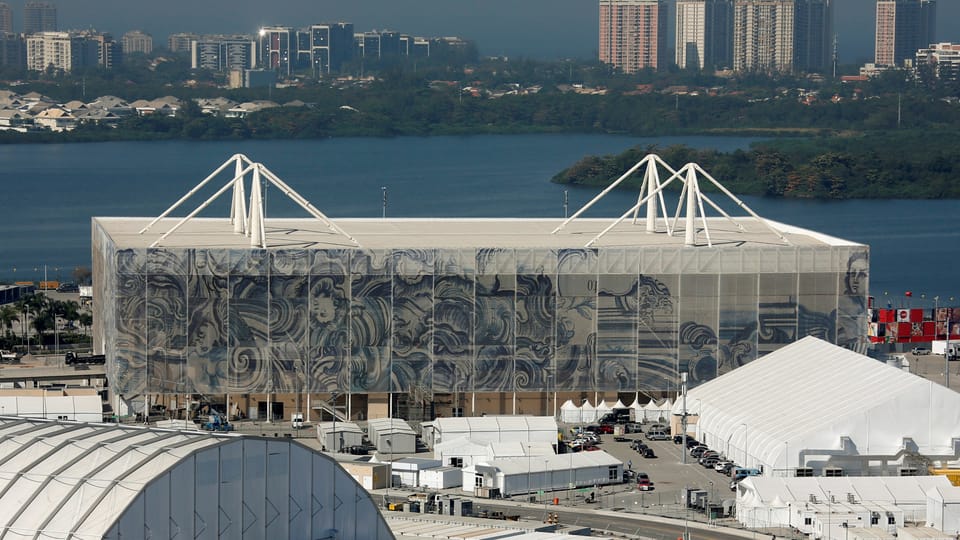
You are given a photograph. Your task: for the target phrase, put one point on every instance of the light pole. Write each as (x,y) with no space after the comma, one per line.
(683,418)
(829,512)
(333,404)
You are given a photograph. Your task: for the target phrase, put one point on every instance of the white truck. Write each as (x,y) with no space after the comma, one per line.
(950,350)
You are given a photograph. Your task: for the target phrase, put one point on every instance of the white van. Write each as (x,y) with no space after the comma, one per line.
(657,435)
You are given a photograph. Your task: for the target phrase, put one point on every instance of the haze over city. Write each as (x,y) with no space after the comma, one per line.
(544,29)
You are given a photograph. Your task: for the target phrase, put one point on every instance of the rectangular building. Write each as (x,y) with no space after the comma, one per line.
(941,61)
(136,42)
(633,34)
(813,35)
(331,46)
(903,27)
(60,50)
(6,19)
(39,17)
(223,53)
(704,37)
(277,50)
(181,42)
(478,308)
(763,35)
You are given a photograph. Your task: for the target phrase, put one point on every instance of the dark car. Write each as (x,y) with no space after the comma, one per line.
(648,453)
(692,443)
(698,451)
(68,287)
(605,428)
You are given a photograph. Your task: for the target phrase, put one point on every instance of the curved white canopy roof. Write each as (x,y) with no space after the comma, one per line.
(815,395)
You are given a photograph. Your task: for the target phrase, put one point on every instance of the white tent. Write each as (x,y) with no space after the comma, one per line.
(464,452)
(814,504)
(943,509)
(636,410)
(588,413)
(651,411)
(873,419)
(569,413)
(495,428)
(619,405)
(603,409)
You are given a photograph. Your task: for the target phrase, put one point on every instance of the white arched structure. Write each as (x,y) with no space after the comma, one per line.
(85,481)
(819,406)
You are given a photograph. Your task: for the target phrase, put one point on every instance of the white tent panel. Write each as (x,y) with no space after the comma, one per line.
(875,413)
(569,413)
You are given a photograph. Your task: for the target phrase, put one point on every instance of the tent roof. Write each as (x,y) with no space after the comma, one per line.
(390,425)
(872,489)
(769,408)
(569,406)
(344,427)
(553,462)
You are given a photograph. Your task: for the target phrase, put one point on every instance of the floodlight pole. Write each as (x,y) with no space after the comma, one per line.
(683,418)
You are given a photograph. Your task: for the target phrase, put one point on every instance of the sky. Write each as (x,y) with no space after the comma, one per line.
(542,29)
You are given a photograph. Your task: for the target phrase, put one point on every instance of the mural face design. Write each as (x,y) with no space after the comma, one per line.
(449,320)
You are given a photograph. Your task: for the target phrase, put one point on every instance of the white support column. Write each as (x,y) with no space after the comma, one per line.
(690,238)
(256,232)
(238,209)
(653,182)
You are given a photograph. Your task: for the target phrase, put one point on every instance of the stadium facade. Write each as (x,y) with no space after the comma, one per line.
(484,315)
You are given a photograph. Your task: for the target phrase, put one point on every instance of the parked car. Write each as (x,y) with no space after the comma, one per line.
(710,462)
(643,482)
(648,453)
(692,443)
(697,451)
(656,435)
(605,429)
(722,464)
(68,288)
(632,427)
(919,351)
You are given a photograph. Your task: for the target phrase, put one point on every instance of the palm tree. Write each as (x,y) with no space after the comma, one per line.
(8,316)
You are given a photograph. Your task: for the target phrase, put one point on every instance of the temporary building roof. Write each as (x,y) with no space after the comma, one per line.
(340,427)
(766,409)
(763,491)
(555,462)
(382,426)
(495,428)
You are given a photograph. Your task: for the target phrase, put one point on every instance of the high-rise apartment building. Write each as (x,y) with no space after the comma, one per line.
(60,50)
(763,35)
(813,35)
(704,38)
(223,53)
(331,45)
(181,42)
(6,18)
(903,27)
(39,17)
(277,49)
(136,42)
(12,50)
(633,34)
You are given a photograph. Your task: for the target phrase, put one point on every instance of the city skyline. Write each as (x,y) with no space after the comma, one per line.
(571,32)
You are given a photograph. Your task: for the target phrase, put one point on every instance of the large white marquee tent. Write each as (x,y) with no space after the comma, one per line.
(815,405)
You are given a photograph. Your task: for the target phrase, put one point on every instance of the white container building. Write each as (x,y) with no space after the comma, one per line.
(392,436)
(547,473)
(339,436)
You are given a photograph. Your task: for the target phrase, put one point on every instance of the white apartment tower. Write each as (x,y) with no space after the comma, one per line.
(136,42)
(703,37)
(633,34)
(763,35)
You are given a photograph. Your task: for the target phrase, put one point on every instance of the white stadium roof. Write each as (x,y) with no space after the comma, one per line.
(812,395)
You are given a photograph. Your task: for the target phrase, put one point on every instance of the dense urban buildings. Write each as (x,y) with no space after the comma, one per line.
(330,46)
(764,35)
(633,34)
(6,19)
(704,34)
(39,17)
(136,42)
(903,27)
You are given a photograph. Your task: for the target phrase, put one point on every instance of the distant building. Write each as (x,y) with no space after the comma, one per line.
(223,53)
(109,52)
(903,27)
(704,34)
(763,35)
(60,50)
(633,34)
(136,42)
(12,50)
(181,42)
(943,59)
(813,35)
(331,45)
(39,17)
(277,49)
(6,19)
(252,78)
